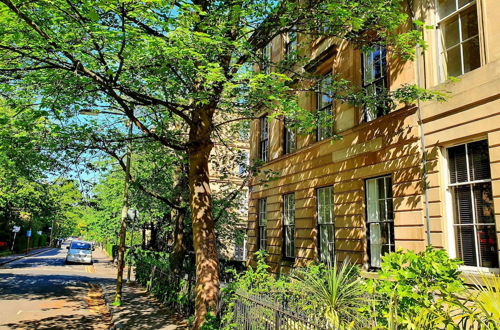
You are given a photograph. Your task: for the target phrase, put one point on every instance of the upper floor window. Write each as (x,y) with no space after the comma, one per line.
(289,225)
(474,215)
(324,104)
(291,44)
(264,139)
(458,23)
(374,81)
(265,65)
(290,137)
(262,219)
(326,225)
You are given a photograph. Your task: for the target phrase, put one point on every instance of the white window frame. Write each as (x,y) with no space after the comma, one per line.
(323,132)
(368,114)
(240,251)
(289,223)
(450,212)
(392,246)
(262,223)
(439,38)
(331,253)
(264,140)
(267,55)
(289,137)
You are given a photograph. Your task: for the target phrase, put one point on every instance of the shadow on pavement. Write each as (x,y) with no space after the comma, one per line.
(60,322)
(38,286)
(142,311)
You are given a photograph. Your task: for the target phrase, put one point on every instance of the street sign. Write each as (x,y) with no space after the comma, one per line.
(28,233)
(16,229)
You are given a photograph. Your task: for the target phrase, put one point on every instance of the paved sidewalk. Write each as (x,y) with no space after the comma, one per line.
(139,310)
(7,259)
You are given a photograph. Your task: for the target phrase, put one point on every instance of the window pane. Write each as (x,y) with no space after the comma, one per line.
(479,160)
(385,233)
(463,205)
(451,33)
(487,246)
(466,242)
(458,164)
(469,23)
(484,203)
(325,205)
(472,58)
(289,241)
(446,7)
(375,246)
(327,242)
(390,210)
(368,66)
(262,212)
(263,238)
(453,62)
(382,210)
(372,203)
(289,209)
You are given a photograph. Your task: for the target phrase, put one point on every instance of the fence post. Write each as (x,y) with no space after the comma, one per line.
(150,285)
(277,319)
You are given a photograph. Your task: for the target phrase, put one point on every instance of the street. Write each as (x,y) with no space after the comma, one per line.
(41,291)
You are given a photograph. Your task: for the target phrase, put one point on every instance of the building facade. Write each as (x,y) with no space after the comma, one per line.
(363,195)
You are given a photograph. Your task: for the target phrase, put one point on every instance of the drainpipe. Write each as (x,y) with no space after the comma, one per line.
(422,142)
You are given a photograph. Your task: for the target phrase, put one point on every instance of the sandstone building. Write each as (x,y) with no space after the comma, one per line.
(363,196)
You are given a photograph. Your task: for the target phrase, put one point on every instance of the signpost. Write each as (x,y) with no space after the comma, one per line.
(15,230)
(28,234)
(133,216)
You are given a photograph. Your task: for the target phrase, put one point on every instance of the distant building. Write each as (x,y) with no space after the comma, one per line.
(363,196)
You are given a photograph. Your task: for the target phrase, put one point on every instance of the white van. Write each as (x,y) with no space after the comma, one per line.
(79,251)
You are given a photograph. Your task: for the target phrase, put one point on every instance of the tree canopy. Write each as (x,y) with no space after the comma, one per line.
(181,71)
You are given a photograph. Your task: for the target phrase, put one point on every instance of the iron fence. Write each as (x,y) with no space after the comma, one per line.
(260,312)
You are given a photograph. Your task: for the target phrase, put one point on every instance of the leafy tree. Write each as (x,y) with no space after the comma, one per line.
(181,71)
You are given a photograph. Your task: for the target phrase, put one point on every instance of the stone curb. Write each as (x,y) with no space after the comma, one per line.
(24,256)
(110,309)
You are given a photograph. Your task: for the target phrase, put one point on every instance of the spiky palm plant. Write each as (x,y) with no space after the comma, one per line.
(487,300)
(338,293)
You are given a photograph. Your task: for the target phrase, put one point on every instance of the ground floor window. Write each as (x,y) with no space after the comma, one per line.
(326,225)
(289,225)
(240,248)
(262,219)
(380,218)
(472,199)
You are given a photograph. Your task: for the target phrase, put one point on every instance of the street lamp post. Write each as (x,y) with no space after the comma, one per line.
(123,222)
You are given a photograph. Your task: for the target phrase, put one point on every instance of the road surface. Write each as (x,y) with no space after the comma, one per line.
(41,292)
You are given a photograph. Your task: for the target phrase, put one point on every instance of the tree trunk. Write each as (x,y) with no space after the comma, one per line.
(144,236)
(207,268)
(152,239)
(179,246)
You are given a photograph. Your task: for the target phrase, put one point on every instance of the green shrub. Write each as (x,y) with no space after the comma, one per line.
(43,240)
(415,287)
(20,244)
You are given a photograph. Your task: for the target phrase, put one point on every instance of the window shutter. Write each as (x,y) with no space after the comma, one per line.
(458,164)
